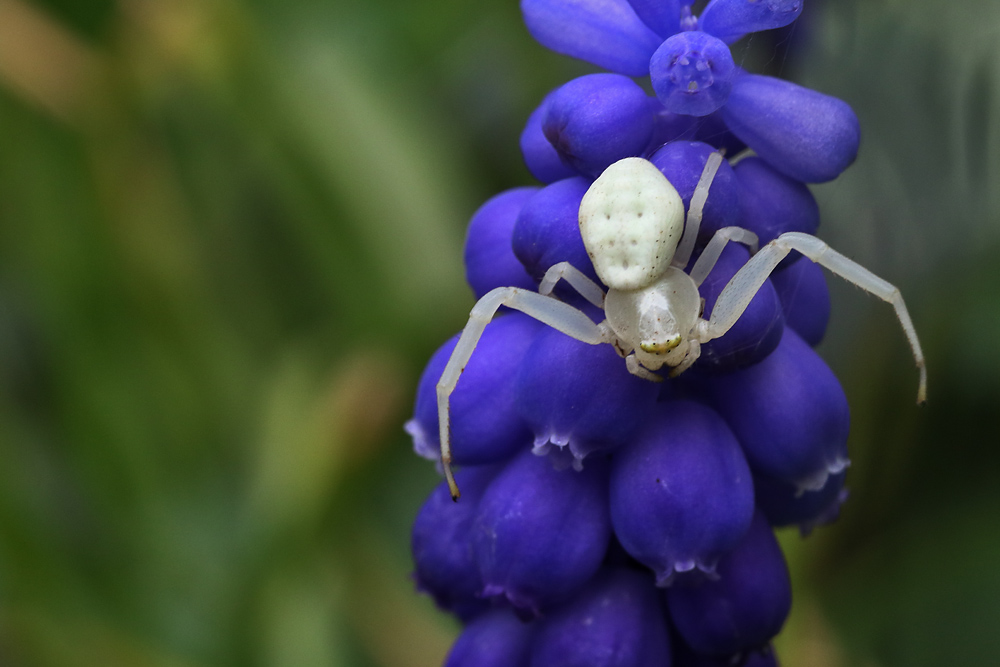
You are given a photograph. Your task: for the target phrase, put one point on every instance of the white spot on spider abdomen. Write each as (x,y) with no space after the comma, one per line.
(631,220)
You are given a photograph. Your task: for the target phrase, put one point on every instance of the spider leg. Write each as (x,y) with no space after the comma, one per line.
(547,310)
(636,369)
(695,210)
(737,295)
(692,356)
(586,287)
(742,155)
(710,255)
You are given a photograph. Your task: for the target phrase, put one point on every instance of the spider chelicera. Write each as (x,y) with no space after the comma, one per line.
(633,226)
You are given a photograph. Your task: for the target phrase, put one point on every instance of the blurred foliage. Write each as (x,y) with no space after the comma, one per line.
(230,237)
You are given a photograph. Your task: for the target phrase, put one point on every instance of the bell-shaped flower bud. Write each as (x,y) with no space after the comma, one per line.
(784,505)
(681,494)
(692,73)
(489,256)
(662,16)
(540,156)
(731,19)
(578,398)
(598,119)
(756,333)
(616,621)
(742,609)
(441,542)
(547,232)
(541,533)
(485,425)
(805,299)
(772,203)
(789,414)
(606,33)
(682,162)
(495,639)
(806,135)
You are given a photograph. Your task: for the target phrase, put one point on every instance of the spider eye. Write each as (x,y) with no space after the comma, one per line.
(660,346)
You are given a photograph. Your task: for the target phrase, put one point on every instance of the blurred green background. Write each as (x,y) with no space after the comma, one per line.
(230,236)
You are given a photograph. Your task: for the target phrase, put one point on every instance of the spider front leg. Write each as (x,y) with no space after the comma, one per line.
(547,310)
(694,352)
(695,210)
(637,369)
(737,295)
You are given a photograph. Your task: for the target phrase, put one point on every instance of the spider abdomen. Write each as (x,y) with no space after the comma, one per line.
(631,220)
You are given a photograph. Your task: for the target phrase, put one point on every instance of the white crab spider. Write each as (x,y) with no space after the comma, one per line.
(631,221)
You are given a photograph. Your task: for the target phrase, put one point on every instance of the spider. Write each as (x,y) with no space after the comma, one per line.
(633,227)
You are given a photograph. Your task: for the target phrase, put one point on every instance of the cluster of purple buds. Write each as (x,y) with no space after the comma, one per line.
(647,406)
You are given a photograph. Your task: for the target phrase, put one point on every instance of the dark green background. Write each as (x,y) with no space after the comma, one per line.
(230,236)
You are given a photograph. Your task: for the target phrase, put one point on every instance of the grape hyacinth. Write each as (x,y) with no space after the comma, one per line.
(621,513)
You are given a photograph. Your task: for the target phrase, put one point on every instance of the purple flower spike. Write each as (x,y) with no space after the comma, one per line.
(682,163)
(578,398)
(806,135)
(805,299)
(606,33)
(692,73)
(617,621)
(496,639)
(731,19)
(773,203)
(442,545)
(539,155)
(547,230)
(541,533)
(598,119)
(485,426)
(681,494)
(489,257)
(745,607)
(784,505)
(789,413)
(758,331)
(662,16)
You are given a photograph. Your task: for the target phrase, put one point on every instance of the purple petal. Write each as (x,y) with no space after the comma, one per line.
(540,533)
(441,543)
(745,607)
(489,257)
(663,16)
(579,397)
(681,494)
(789,413)
(598,119)
(731,19)
(495,639)
(606,33)
(539,155)
(616,621)
(805,135)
